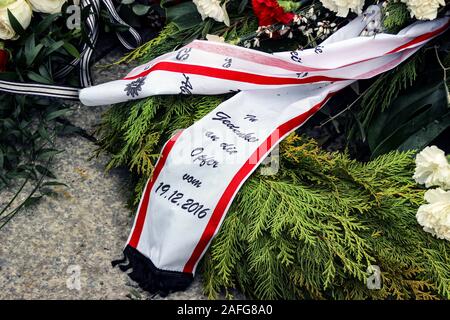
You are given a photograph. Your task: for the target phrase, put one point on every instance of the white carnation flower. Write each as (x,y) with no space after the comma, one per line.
(47,6)
(434,217)
(342,7)
(424,9)
(432,168)
(212,9)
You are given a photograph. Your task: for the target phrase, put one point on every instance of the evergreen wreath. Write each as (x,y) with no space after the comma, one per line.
(310,231)
(314,230)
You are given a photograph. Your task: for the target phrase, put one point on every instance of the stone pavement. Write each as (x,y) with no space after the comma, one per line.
(78,231)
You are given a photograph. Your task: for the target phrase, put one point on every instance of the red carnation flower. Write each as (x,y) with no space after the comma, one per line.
(270,12)
(4,57)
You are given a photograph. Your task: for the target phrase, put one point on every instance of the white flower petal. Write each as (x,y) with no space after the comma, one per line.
(342,7)
(432,168)
(424,9)
(434,217)
(212,9)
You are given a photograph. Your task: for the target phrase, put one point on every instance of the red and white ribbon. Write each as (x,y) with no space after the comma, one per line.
(202,167)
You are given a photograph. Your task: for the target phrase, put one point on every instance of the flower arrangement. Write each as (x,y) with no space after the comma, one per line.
(433,170)
(342,200)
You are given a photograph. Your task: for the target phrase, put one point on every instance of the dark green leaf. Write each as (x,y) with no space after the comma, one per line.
(44,133)
(71,49)
(2,161)
(360,127)
(7,123)
(54,46)
(31,201)
(43,71)
(54,183)
(31,50)
(242,6)
(47,153)
(427,134)
(45,171)
(403,109)
(184,15)
(413,114)
(45,23)
(15,24)
(38,78)
(140,9)
(207,27)
(56,114)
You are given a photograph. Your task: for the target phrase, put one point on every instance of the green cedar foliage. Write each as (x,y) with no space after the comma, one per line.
(396,16)
(312,230)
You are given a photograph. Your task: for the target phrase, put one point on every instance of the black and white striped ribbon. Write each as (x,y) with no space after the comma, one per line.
(83,63)
(36,89)
(114,16)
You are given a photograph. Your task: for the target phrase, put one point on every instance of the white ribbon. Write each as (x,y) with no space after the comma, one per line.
(202,168)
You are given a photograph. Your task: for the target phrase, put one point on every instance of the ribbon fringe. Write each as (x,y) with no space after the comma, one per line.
(149,277)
